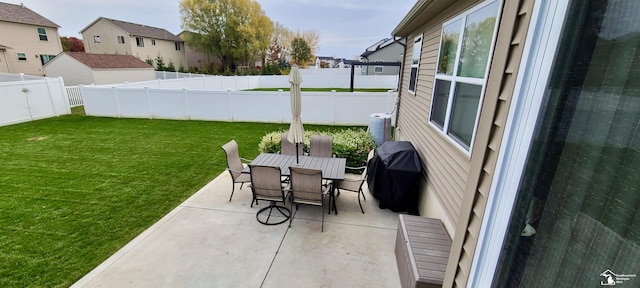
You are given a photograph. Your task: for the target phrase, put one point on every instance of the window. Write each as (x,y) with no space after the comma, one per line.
(363,68)
(42,34)
(46,58)
(177,46)
(22,56)
(461,72)
(140,41)
(96,38)
(120,39)
(377,69)
(153,42)
(415,61)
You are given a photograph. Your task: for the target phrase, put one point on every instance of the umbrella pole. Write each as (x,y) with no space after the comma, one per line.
(297,161)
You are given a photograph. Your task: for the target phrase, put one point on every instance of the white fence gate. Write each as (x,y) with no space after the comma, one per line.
(74,96)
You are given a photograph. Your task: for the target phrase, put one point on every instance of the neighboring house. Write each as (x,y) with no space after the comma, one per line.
(526,115)
(196,61)
(110,36)
(27,40)
(326,62)
(79,68)
(385,50)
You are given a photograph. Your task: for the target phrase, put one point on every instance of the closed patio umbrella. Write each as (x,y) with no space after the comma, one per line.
(296,130)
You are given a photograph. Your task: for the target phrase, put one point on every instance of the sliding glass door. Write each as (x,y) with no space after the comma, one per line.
(576,220)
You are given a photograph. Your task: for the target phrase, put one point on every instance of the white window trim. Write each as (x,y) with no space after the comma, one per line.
(416,65)
(539,52)
(120,37)
(96,39)
(23,54)
(42,34)
(445,129)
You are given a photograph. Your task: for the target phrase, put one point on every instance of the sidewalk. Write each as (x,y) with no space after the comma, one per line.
(210,242)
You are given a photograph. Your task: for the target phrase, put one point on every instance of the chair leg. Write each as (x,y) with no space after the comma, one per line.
(233,187)
(322,229)
(292,214)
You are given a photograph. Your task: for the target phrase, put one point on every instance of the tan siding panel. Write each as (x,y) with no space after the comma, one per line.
(504,65)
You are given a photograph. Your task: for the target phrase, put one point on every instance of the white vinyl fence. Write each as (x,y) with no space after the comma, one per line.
(314,78)
(22,101)
(251,106)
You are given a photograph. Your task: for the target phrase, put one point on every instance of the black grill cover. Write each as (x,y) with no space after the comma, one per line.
(393,175)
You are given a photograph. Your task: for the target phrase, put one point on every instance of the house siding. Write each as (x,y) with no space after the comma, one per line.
(72,71)
(108,33)
(456,182)
(513,27)
(111,76)
(446,165)
(390,53)
(23,38)
(108,39)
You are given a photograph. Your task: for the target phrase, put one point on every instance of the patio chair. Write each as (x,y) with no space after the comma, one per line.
(321,146)
(306,188)
(235,166)
(288,148)
(353,185)
(266,185)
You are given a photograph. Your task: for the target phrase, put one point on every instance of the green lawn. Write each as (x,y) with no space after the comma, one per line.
(90,185)
(324,89)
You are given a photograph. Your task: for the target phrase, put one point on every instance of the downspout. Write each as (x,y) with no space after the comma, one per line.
(396,40)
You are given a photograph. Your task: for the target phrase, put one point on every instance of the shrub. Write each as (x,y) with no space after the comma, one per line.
(353,144)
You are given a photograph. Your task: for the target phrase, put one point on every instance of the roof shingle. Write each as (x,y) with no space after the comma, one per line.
(145,31)
(22,14)
(108,61)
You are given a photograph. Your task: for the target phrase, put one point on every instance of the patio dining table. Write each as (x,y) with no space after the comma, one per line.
(333,168)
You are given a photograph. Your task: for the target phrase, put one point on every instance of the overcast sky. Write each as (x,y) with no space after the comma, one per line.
(346,27)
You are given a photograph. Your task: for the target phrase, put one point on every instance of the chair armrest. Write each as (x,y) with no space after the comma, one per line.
(355,168)
(246,160)
(232,170)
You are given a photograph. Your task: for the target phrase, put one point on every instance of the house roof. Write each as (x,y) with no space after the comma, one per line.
(108,61)
(422,11)
(380,45)
(135,29)
(22,14)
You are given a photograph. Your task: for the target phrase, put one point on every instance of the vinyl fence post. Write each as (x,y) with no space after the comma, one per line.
(53,105)
(149,105)
(115,96)
(230,103)
(333,107)
(186,101)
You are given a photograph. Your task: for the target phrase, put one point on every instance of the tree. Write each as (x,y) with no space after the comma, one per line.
(160,63)
(280,44)
(71,44)
(312,38)
(300,51)
(233,30)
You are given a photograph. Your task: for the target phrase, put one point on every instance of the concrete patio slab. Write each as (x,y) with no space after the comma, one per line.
(208,241)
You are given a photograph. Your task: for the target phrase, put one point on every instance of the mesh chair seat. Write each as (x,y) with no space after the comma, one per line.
(288,148)
(353,185)
(266,185)
(321,146)
(235,166)
(306,188)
